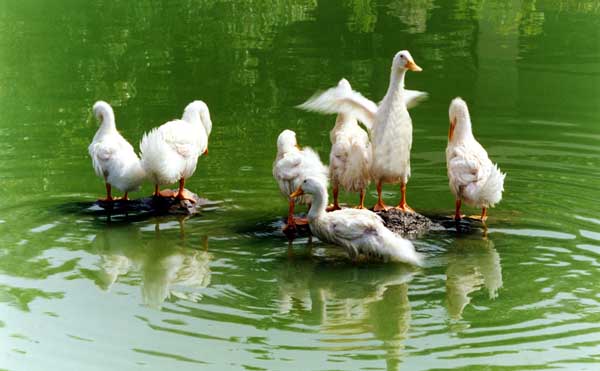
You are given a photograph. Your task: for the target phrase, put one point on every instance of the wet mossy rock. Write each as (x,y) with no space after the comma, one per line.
(156,206)
(406,224)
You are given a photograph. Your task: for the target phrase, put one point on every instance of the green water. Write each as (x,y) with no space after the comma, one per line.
(223,290)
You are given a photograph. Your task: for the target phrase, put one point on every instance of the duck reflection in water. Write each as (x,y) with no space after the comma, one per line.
(345,301)
(472,265)
(165,268)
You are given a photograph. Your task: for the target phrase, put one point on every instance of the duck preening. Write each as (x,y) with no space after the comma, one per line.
(472,176)
(360,232)
(170,152)
(292,165)
(113,157)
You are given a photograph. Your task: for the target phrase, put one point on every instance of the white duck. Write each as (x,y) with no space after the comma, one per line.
(359,232)
(170,152)
(472,176)
(292,165)
(390,123)
(350,156)
(113,157)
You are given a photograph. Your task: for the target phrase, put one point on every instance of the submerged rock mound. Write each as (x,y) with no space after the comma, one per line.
(155,206)
(405,224)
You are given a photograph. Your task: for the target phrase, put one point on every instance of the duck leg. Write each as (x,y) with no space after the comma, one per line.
(182,194)
(361,204)
(336,192)
(457,215)
(109,197)
(125,197)
(403,205)
(291,224)
(158,193)
(483,215)
(379,206)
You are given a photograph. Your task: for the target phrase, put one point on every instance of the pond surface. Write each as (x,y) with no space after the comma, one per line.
(224,290)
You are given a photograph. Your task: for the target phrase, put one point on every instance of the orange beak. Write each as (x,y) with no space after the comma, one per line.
(411,65)
(451,129)
(205,151)
(296,193)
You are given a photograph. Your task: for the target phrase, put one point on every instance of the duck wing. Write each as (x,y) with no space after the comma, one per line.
(343,100)
(353,224)
(412,98)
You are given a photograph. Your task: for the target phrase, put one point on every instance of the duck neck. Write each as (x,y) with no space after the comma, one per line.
(108,125)
(343,121)
(200,118)
(396,88)
(463,131)
(318,205)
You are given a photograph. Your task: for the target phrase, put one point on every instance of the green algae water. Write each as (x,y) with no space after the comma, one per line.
(225,289)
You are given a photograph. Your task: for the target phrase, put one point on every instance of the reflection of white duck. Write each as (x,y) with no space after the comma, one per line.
(472,264)
(292,165)
(166,271)
(170,152)
(183,268)
(350,157)
(391,133)
(359,232)
(346,300)
(472,176)
(113,157)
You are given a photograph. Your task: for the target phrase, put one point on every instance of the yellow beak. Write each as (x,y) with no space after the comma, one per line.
(296,193)
(451,129)
(411,65)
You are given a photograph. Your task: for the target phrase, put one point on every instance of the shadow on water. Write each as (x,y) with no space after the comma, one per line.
(138,209)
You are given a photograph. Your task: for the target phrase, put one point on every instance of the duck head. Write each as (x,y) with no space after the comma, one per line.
(404,61)
(286,141)
(460,120)
(309,185)
(198,110)
(104,112)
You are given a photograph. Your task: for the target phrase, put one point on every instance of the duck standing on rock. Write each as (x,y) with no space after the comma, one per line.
(392,134)
(389,123)
(350,157)
(359,232)
(472,176)
(113,157)
(292,165)
(170,152)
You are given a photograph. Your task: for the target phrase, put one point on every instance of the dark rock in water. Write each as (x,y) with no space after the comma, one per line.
(155,206)
(406,224)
